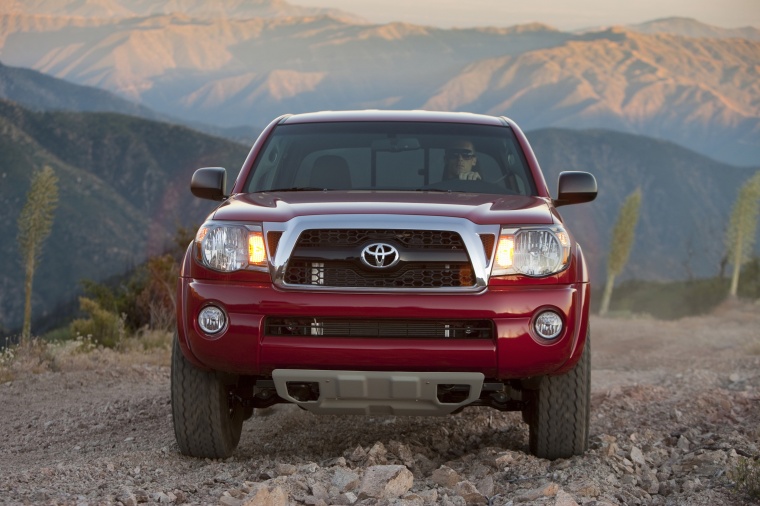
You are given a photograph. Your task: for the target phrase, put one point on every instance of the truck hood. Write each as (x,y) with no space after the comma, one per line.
(482,209)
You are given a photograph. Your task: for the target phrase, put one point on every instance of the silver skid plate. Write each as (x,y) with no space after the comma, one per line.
(378,392)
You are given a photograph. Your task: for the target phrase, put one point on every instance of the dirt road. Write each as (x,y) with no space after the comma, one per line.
(675,405)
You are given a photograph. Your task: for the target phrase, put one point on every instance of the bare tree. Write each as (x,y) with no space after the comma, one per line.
(740,236)
(620,245)
(34,225)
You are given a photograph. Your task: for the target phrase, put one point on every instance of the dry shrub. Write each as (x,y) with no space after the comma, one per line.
(35,356)
(148,340)
(746,475)
(151,347)
(155,302)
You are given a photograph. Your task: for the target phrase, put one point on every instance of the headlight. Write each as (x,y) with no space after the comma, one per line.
(532,251)
(229,248)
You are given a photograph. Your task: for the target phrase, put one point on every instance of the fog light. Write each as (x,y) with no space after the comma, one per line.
(548,325)
(212,320)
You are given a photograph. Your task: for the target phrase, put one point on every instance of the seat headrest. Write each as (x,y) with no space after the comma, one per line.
(331,172)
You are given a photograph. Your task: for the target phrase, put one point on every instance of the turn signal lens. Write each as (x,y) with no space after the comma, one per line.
(505,252)
(257,253)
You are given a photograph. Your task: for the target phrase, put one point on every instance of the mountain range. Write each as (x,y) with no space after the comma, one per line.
(40,92)
(124,191)
(670,106)
(231,63)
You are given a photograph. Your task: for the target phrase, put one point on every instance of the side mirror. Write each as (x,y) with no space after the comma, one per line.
(209,183)
(575,187)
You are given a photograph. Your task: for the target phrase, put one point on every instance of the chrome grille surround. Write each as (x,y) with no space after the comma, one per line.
(423,235)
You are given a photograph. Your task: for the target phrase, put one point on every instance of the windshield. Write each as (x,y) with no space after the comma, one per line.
(407,156)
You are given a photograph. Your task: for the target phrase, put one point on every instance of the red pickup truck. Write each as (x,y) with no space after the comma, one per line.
(384,262)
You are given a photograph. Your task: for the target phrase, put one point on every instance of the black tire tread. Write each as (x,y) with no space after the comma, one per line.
(203,423)
(559,417)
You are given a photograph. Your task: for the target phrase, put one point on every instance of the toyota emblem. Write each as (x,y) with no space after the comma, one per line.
(380,255)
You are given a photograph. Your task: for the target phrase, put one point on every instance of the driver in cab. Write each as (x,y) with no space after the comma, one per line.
(459,160)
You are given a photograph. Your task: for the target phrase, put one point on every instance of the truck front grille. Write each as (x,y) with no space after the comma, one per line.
(419,329)
(429,259)
(346,274)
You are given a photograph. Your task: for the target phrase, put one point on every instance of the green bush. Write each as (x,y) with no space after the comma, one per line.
(103,327)
(146,295)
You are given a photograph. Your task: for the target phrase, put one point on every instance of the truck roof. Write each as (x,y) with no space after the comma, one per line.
(385,115)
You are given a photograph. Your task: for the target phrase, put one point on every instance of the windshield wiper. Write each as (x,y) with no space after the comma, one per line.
(439,190)
(297,189)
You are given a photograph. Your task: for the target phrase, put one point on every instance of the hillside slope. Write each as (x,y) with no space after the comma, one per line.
(686,200)
(123,191)
(40,92)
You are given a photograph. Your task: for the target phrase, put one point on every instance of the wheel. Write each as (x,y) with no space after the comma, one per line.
(207,421)
(558,412)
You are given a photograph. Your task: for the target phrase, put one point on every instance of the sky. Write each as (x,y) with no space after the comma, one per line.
(562,14)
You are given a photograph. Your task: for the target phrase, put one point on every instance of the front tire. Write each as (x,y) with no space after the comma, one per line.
(558,411)
(207,420)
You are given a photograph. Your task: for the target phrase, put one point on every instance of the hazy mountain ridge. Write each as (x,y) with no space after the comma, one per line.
(40,92)
(124,190)
(241,9)
(117,48)
(688,27)
(696,92)
(698,87)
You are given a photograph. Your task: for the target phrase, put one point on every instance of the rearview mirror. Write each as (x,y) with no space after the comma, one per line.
(396,144)
(575,187)
(209,183)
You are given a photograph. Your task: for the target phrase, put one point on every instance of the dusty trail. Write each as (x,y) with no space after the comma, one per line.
(674,405)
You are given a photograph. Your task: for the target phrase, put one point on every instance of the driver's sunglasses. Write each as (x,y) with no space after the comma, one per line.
(464,154)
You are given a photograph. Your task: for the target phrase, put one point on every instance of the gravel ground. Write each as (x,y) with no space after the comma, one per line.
(675,405)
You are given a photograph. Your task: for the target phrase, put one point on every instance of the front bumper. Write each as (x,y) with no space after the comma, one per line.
(514,352)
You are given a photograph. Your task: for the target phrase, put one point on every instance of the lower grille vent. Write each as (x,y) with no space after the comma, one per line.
(419,329)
